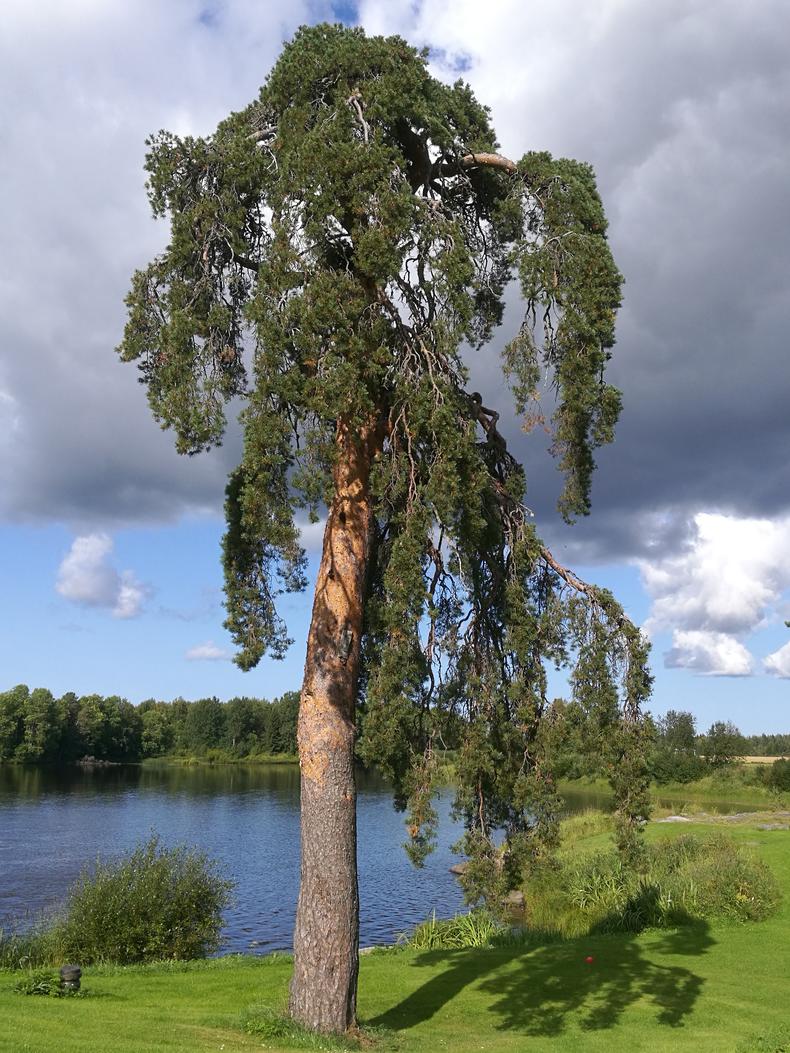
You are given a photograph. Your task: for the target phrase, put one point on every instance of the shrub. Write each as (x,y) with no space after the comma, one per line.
(716,879)
(672,766)
(683,880)
(779,776)
(44,982)
(151,904)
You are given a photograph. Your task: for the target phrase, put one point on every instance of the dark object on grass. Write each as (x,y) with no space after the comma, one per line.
(70,977)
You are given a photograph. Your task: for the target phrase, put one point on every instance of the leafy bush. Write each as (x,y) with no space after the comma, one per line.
(670,766)
(151,904)
(686,879)
(779,775)
(714,878)
(44,982)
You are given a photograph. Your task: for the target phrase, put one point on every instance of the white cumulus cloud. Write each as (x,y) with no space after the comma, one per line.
(311,535)
(207,652)
(724,585)
(88,577)
(778,663)
(713,654)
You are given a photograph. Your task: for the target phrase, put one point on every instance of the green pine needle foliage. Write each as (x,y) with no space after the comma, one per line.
(333,248)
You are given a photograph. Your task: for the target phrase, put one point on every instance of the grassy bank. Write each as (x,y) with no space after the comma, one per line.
(701,988)
(216,757)
(731,787)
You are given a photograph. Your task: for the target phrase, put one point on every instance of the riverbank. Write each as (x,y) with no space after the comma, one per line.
(213,758)
(244,816)
(685,989)
(730,787)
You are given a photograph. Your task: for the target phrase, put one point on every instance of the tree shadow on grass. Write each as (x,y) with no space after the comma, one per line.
(539,988)
(540,991)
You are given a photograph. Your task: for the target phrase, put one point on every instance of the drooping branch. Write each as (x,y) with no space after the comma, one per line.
(246,262)
(568,576)
(516,512)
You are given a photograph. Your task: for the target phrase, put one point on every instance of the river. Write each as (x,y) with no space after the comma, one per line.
(53,823)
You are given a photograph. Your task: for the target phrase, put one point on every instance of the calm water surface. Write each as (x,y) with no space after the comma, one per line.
(247,818)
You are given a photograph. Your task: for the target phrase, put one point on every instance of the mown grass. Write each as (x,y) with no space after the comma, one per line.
(702,987)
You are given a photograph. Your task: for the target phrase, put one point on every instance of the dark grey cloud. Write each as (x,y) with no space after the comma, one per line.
(83,86)
(681,106)
(683,109)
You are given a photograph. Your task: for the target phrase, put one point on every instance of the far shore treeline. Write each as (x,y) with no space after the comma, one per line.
(36,727)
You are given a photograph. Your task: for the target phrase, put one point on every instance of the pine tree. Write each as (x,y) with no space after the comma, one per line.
(333,248)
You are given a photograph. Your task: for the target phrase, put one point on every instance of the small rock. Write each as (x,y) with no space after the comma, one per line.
(674,819)
(458,868)
(514,898)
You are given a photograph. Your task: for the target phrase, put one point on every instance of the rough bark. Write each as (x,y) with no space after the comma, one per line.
(326,938)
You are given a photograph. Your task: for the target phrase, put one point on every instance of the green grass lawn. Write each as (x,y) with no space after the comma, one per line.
(703,988)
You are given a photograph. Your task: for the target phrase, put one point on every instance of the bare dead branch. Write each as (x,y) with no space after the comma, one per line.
(354,102)
(488,160)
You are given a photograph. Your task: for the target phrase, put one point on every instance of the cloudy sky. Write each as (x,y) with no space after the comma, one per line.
(110,542)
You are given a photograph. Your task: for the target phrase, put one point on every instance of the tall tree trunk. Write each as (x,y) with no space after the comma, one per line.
(326,938)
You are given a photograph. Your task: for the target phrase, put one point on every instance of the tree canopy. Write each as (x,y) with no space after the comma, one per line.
(337,248)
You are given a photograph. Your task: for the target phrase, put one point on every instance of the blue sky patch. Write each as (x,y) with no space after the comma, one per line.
(209,16)
(456,61)
(346,11)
